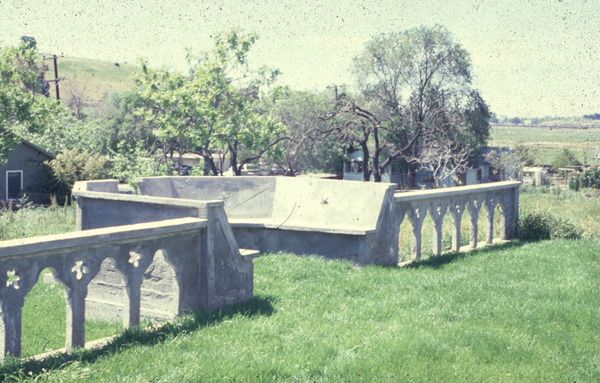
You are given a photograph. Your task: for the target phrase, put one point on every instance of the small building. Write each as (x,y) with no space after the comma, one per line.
(23,173)
(353,170)
(401,175)
(535,175)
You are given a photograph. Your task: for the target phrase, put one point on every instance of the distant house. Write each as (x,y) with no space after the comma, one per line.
(188,161)
(419,179)
(22,172)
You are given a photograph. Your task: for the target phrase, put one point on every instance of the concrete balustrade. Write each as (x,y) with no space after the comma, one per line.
(416,205)
(201,253)
(194,225)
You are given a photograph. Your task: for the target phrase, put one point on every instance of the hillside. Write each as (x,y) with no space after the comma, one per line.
(90,80)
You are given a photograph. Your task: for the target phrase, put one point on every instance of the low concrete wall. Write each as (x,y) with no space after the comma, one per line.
(127,262)
(331,218)
(75,260)
(416,205)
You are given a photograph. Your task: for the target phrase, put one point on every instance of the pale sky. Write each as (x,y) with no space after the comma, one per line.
(530,58)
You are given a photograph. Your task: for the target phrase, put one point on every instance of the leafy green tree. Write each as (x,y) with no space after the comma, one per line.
(65,132)
(209,112)
(21,102)
(565,158)
(515,121)
(415,95)
(29,41)
(132,160)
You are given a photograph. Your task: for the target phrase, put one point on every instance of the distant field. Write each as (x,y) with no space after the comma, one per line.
(549,140)
(92,80)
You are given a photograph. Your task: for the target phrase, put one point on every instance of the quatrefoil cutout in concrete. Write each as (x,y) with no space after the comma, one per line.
(79,269)
(134,258)
(12,279)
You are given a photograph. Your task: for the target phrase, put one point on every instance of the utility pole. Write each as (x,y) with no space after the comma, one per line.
(56,79)
(335,88)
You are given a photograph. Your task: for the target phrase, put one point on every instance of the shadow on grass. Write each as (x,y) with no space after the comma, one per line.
(14,369)
(437,262)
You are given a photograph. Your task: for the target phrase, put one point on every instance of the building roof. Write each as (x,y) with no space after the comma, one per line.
(31,145)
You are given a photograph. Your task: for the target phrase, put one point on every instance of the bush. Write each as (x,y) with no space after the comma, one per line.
(590,178)
(540,226)
(564,159)
(72,165)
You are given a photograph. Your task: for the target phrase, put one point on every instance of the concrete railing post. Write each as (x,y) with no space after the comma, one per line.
(490,207)
(474,206)
(416,213)
(457,209)
(132,307)
(507,220)
(437,211)
(75,336)
(10,327)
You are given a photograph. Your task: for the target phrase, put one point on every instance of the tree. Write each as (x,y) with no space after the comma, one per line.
(565,158)
(306,148)
(515,121)
(211,111)
(29,41)
(415,91)
(21,100)
(73,165)
(511,162)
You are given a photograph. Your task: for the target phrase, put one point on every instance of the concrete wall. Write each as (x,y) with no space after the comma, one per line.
(232,274)
(76,260)
(244,197)
(345,219)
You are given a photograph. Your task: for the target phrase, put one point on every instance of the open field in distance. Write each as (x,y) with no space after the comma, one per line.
(549,140)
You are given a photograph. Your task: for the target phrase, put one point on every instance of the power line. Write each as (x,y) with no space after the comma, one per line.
(56,79)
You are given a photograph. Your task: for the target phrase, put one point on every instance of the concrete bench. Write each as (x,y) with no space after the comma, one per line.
(330,218)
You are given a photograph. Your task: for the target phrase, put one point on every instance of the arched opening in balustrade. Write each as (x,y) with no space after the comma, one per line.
(43,319)
(160,290)
(106,298)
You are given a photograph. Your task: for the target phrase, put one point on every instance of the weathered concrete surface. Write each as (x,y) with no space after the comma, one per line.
(230,273)
(75,259)
(244,197)
(416,205)
(157,269)
(334,219)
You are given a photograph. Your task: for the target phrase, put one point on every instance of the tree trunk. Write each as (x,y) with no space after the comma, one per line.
(376,169)
(237,170)
(366,169)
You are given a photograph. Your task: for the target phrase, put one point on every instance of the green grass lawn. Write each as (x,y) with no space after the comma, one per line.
(514,313)
(517,312)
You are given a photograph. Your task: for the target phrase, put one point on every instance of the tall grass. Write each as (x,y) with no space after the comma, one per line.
(581,208)
(33,221)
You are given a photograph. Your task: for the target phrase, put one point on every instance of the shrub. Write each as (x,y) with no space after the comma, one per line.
(564,159)
(72,165)
(590,178)
(574,183)
(540,226)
